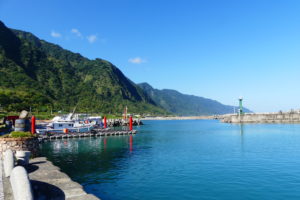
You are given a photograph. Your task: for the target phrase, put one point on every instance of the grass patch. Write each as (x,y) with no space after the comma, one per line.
(17,134)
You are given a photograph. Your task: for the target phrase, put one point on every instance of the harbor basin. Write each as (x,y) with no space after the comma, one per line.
(185,159)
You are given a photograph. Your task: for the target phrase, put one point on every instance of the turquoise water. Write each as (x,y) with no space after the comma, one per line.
(190,159)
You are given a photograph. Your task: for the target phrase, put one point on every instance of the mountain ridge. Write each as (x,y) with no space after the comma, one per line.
(184,104)
(40,75)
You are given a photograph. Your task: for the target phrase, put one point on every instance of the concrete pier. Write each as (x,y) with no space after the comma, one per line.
(88,134)
(280,117)
(47,182)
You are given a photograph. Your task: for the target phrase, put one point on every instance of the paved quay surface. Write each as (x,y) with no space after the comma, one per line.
(1,181)
(5,185)
(47,182)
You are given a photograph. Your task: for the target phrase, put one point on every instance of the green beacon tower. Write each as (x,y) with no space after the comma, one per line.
(241,105)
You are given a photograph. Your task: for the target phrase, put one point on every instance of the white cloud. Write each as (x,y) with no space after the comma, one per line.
(92,38)
(76,32)
(136,60)
(55,34)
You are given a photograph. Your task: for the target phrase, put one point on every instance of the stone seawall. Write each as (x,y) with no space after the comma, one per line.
(262,118)
(20,144)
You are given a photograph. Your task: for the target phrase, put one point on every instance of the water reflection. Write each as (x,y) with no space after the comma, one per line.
(179,159)
(130,143)
(242,129)
(89,156)
(242,135)
(104,142)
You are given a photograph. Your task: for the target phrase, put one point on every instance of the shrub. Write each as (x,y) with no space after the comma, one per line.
(17,134)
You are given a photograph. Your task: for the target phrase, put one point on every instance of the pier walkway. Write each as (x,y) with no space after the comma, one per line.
(88,134)
(47,182)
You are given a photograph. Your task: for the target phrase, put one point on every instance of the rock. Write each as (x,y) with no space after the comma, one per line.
(23,114)
(23,157)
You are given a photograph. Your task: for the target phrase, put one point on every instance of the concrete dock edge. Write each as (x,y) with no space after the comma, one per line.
(47,182)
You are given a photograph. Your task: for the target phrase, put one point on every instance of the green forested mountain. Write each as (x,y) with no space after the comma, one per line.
(44,76)
(186,105)
(38,74)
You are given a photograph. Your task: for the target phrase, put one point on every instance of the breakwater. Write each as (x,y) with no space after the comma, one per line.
(279,117)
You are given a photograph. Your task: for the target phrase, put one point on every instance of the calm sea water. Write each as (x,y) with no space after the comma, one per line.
(190,159)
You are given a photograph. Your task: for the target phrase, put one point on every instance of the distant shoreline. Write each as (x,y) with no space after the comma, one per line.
(158,118)
(178,118)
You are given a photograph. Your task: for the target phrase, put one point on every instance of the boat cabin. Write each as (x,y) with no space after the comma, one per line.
(62,125)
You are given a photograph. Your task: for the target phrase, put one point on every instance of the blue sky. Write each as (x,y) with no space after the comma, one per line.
(215,49)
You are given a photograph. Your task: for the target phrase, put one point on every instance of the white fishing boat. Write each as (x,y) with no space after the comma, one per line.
(65,127)
(74,123)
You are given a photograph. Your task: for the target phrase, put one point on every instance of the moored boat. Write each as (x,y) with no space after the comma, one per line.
(74,123)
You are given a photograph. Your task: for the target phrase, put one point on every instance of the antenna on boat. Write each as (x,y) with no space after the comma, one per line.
(125,113)
(73,112)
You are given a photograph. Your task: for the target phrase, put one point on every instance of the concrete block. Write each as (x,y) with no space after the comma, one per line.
(8,162)
(23,157)
(20,184)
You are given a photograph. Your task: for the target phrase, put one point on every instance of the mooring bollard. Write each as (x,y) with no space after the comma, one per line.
(130,123)
(23,157)
(105,124)
(8,162)
(20,184)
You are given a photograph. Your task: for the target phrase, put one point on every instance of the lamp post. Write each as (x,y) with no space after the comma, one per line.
(241,105)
